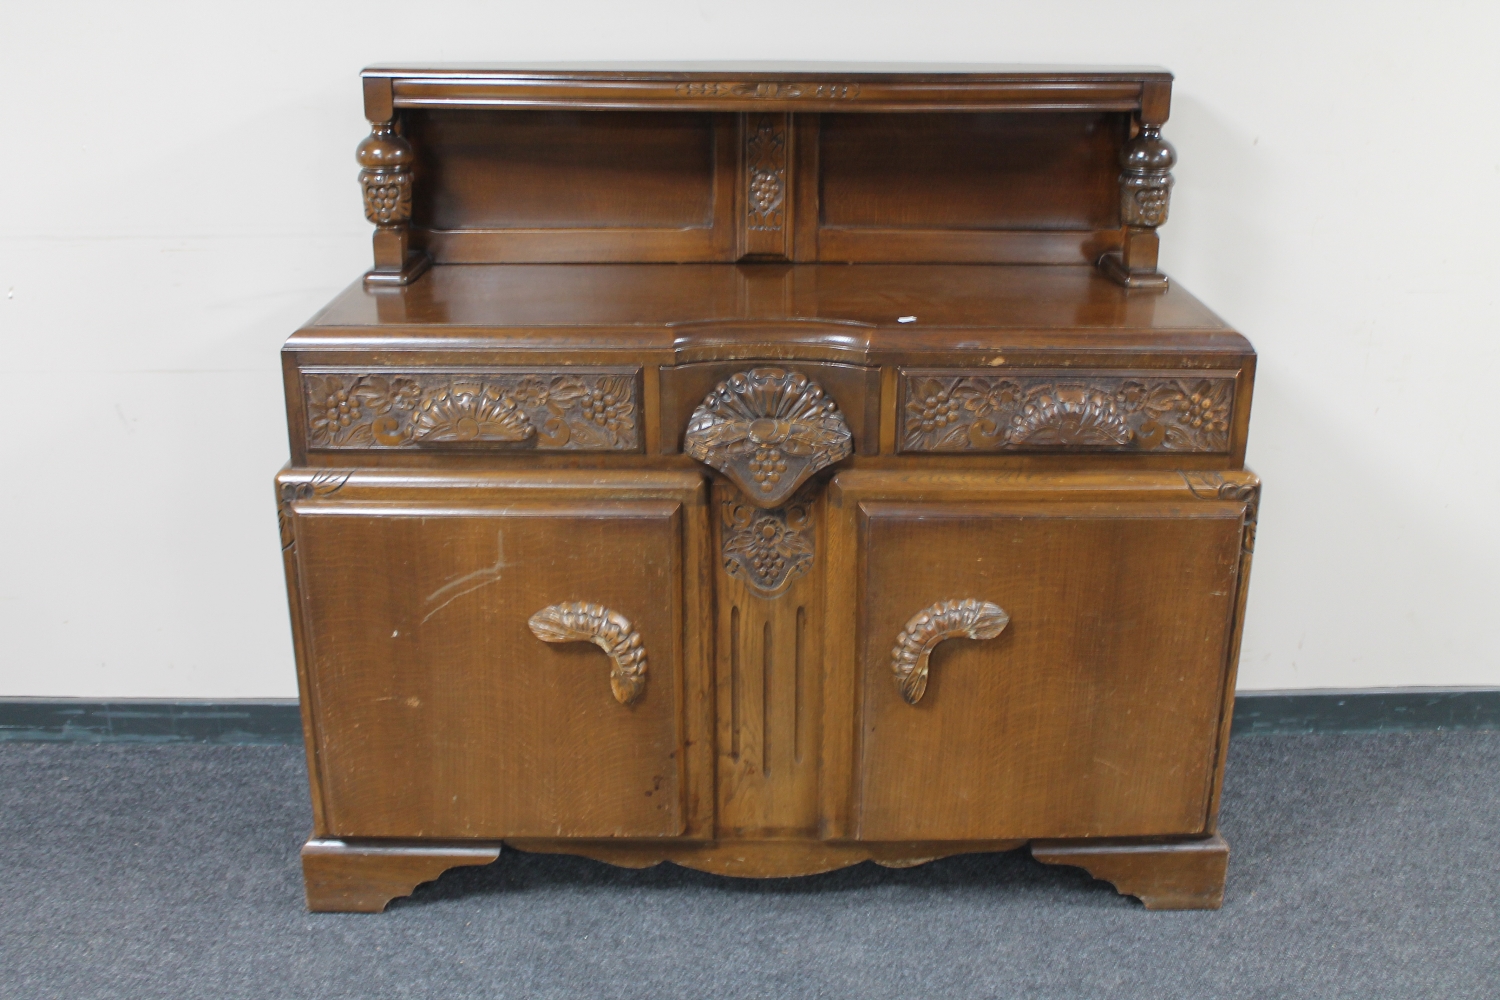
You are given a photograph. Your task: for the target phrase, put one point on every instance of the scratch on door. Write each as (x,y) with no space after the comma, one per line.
(469,582)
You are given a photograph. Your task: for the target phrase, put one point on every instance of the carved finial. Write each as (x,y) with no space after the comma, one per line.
(970,618)
(768,430)
(1145,193)
(386,159)
(1146,178)
(579,621)
(386,177)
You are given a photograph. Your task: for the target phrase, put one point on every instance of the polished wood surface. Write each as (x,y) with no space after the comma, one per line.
(650,301)
(1089,738)
(442,713)
(783,163)
(766,469)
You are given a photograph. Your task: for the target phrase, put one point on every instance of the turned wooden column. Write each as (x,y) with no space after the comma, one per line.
(386,160)
(1145,192)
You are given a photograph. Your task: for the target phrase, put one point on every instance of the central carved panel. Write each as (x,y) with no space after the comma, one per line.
(768,430)
(768,549)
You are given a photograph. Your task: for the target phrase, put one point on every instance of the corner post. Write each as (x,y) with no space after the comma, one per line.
(1145,192)
(385,159)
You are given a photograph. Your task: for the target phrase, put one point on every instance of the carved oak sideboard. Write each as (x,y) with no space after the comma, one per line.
(766,470)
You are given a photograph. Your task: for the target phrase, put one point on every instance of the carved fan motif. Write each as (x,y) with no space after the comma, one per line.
(1071,415)
(578,621)
(470,414)
(768,430)
(971,618)
(961,412)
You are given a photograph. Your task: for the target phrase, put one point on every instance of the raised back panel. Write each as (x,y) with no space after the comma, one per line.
(855,164)
(1034,187)
(971,171)
(498,186)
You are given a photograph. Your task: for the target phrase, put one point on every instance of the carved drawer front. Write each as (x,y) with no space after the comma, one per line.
(497,661)
(983,410)
(1042,665)
(524,409)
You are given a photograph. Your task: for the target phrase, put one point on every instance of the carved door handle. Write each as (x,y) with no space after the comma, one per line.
(971,618)
(577,621)
(768,430)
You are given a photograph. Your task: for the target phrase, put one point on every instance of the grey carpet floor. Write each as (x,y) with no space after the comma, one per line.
(1362,866)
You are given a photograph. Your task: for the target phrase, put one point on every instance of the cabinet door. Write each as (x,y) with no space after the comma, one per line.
(439,710)
(1090,701)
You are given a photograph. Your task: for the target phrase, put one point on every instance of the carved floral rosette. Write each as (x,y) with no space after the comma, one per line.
(582,411)
(954,411)
(767,549)
(768,430)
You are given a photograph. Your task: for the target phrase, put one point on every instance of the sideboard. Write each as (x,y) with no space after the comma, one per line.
(766,469)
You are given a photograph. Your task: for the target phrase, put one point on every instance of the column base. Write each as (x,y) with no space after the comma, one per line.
(1113,266)
(416,265)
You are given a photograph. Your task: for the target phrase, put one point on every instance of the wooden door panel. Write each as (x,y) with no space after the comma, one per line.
(1094,712)
(441,714)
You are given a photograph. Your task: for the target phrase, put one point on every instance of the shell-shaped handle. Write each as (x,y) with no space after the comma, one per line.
(970,618)
(579,621)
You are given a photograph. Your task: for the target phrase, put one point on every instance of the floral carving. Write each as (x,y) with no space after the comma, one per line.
(956,411)
(584,411)
(770,91)
(767,549)
(768,430)
(1213,486)
(971,618)
(578,621)
(765,159)
(319,484)
(387,195)
(464,413)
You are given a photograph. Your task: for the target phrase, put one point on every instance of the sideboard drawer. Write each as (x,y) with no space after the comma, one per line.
(495,658)
(985,410)
(588,409)
(1041,660)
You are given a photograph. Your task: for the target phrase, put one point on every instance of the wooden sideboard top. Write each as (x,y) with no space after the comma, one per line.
(859,304)
(725,163)
(771,86)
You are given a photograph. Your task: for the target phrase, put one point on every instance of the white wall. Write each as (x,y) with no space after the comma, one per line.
(179,194)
